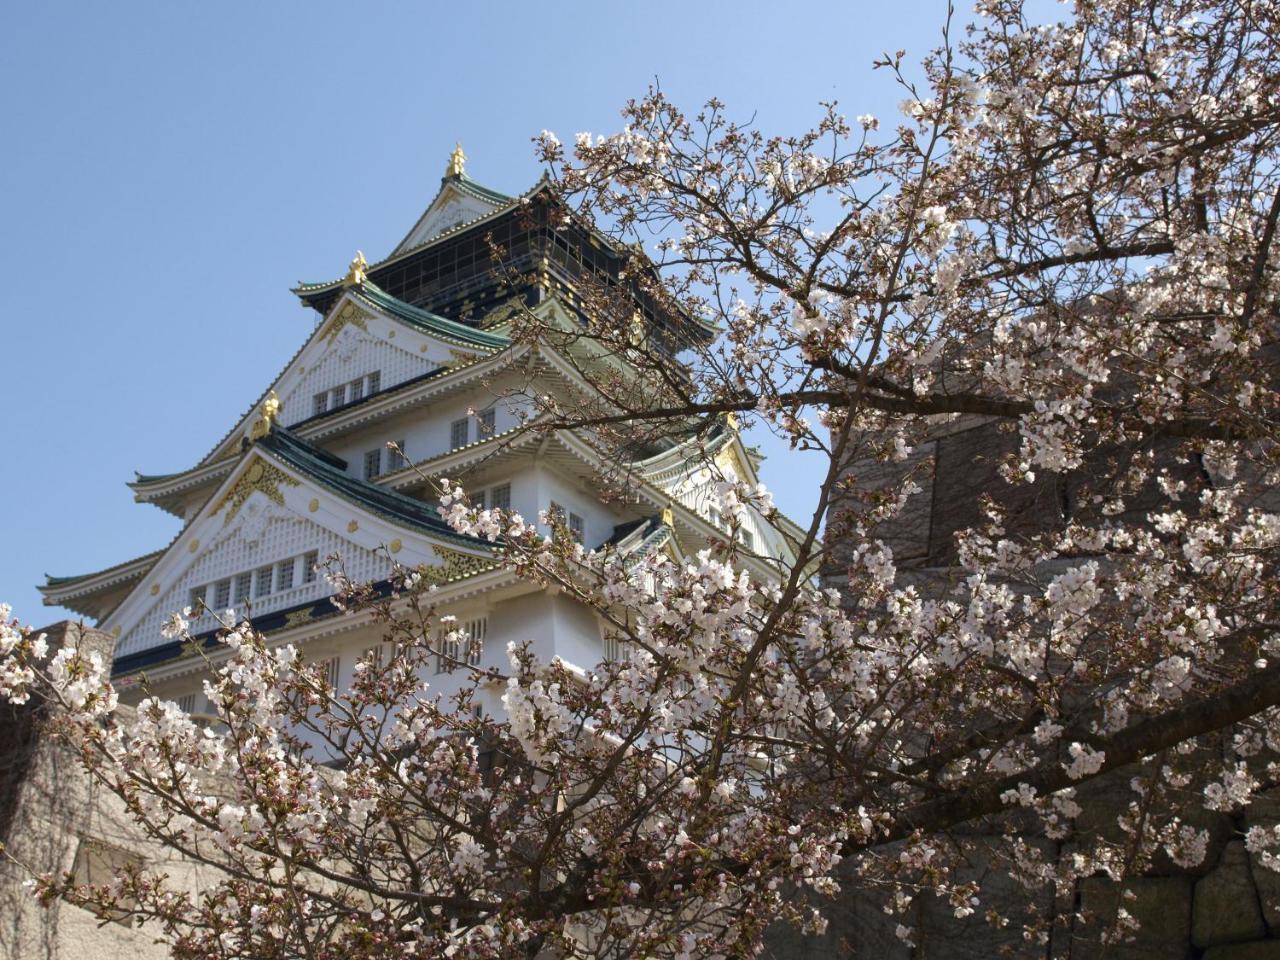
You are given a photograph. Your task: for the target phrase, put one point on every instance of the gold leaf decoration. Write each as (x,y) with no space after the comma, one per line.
(155,588)
(314,505)
(463,359)
(353,526)
(193,546)
(297,618)
(348,315)
(455,566)
(395,545)
(261,477)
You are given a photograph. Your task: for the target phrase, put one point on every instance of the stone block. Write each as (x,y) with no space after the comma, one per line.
(1257,950)
(1266,880)
(940,935)
(857,927)
(1161,905)
(1226,908)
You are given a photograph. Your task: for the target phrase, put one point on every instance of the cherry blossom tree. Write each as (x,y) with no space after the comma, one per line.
(1068,234)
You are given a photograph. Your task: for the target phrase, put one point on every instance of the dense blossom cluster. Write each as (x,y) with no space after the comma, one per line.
(1069,233)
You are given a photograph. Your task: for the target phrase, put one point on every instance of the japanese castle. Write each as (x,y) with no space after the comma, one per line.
(415,350)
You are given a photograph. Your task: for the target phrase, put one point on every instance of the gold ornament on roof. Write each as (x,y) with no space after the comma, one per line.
(267,416)
(456,161)
(668,516)
(260,477)
(357,272)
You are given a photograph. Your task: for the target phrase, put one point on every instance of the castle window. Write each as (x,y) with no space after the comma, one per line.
(373,463)
(500,497)
(187,703)
(330,668)
(284,574)
(355,389)
(221,595)
(337,397)
(396,460)
(488,418)
(374,381)
(319,403)
(447,658)
(458,433)
(195,598)
(475,631)
(309,567)
(263,586)
(244,584)
(746,538)
(577,528)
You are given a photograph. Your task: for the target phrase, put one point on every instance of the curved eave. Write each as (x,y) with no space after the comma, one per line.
(456,333)
(95,594)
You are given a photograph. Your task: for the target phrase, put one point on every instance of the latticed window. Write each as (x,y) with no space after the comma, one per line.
(372,463)
(244,584)
(263,586)
(337,397)
(488,419)
(319,403)
(577,528)
(222,595)
(475,631)
(458,432)
(284,574)
(330,669)
(447,658)
(500,497)
(187,703)
(747,538)
(356,390)
(375,382)
(395,456)
(309,566)
(194,599)
(374,655)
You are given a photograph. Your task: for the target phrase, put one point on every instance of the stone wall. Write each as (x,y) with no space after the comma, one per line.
(1227,908)
(54,819)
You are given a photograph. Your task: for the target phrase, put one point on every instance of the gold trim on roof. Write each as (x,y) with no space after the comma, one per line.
(349,315)
(357,271)
(457,162)
(260,477)
(455,566)
(268,415)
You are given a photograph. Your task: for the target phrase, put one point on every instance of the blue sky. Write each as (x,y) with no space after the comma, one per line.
(171,169)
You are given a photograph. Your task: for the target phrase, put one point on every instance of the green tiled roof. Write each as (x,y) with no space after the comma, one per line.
(329,471)
(425,320)
(51,581)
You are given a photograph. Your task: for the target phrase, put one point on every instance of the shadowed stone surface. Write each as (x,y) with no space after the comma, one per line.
(1226,902)
(1162,905)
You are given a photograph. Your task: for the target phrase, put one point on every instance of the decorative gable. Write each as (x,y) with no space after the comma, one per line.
(453,205)
(255,545)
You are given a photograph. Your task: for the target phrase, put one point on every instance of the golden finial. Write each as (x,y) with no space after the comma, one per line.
(267,416)
(731,420)
(356,273)
(668,517)
(456,161)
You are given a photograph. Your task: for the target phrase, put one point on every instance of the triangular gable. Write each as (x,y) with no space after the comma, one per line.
(269,512)
(365,333)
(457,202)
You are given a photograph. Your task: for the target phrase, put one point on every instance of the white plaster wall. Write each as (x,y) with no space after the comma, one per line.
(573,494)
(425,431)
(353,353)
